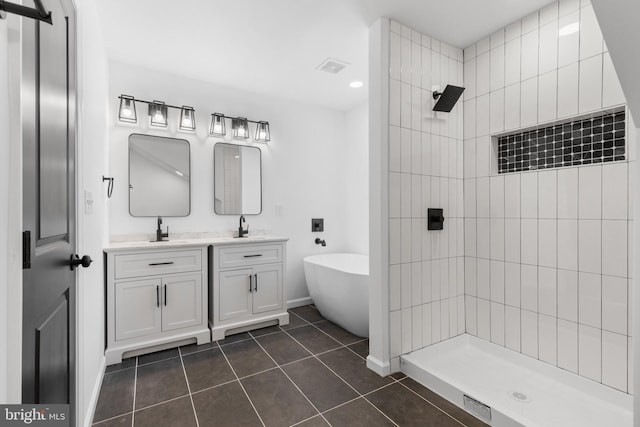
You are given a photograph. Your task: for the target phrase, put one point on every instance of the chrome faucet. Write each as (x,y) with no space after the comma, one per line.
(241,231)
(159,234)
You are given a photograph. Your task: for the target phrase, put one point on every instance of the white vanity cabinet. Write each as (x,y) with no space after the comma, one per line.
(247,287)
(156,298)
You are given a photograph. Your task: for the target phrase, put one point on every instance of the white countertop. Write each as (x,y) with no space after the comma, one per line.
(185,243)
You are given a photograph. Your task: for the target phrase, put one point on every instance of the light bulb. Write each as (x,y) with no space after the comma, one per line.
(126,110)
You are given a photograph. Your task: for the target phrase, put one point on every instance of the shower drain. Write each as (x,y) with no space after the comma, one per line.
(520,397)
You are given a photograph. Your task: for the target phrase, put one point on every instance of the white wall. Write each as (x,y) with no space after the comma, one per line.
(547,271)
(378,359)
(4,213)
(304,164)
(356,179)
(92,227)
(11,197)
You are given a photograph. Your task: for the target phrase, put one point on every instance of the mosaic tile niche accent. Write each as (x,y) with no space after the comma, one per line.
(585,141)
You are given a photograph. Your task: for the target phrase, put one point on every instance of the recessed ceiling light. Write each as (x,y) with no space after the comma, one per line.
(356,84)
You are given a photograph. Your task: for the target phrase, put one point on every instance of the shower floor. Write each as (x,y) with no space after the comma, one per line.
(520,390)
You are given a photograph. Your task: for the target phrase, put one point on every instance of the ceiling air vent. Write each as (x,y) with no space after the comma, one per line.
(331,65)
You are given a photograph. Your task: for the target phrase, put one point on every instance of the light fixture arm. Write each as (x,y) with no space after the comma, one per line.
(180,108)
(148,102)
(240,118)
(39,13)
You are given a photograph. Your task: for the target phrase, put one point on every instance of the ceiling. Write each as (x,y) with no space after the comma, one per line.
(273,47)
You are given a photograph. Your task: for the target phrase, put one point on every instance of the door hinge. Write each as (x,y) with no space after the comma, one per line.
(26,250)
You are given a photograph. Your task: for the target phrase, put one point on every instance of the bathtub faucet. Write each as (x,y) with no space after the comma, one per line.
(320,242)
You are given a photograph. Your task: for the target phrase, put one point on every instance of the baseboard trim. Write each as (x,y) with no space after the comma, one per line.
(93,402)
(299,302)
(381,368)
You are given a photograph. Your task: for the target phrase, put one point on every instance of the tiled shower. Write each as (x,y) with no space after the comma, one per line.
(425,170)
(545,216)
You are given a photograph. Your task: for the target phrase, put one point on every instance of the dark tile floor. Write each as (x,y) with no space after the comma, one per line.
(308,373)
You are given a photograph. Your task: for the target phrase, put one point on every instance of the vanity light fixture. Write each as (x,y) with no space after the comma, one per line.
(262,132)
(240,127)
(187,118)
(158,114)
(217,125)
(127,111)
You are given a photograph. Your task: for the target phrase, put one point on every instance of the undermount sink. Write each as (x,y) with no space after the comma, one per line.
(168,241)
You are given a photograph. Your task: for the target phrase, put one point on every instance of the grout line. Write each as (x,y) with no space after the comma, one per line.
(215,386)
(135,391)
(260,372)
(111,419)
(292,382)
(380,410)
(431,403)
(324,364)
(161,360)
(119,370)
(310,418)
(327,334)
(161,403)
(184,371)
(241,385)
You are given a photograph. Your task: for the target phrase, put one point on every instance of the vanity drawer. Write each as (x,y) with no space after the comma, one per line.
(249,255)
(153,263)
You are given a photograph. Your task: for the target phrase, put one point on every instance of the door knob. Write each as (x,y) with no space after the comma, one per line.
(75,261)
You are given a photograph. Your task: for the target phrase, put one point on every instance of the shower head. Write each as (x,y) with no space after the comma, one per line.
(446,100)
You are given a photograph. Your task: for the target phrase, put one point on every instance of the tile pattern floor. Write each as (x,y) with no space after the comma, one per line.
(308,373)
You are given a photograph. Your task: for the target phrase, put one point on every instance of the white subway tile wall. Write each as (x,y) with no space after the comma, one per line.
(547,269)
(426,169)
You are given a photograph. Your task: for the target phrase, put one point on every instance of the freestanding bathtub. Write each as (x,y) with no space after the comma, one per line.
(339,287)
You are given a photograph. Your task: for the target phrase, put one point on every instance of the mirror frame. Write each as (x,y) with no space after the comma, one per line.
(214,177)
(129,176)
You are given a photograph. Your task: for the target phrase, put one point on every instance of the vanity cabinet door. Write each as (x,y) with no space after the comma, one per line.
(137,306)
(181,301)
(267,292)
(235,293)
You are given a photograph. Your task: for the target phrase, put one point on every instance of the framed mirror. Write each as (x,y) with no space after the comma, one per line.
(237,180)
(159,176)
